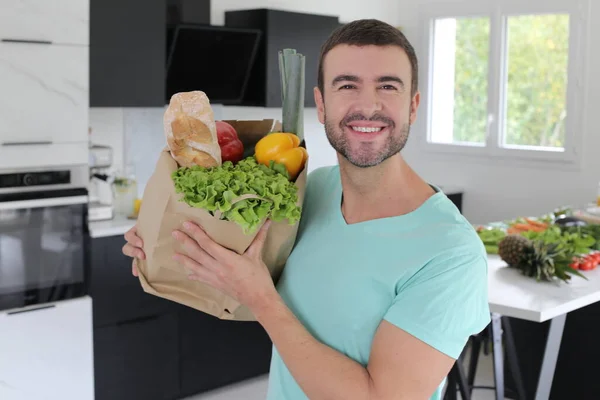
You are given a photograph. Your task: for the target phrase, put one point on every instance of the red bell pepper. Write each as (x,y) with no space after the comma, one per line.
(232,148)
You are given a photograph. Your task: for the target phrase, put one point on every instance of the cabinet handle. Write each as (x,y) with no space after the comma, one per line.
(42,142)
(139,319)
(32,309)
(26,41)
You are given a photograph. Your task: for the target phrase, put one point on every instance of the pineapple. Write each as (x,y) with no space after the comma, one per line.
(511,249)
(535,258)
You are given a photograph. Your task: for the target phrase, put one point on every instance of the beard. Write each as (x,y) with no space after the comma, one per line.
(367,154)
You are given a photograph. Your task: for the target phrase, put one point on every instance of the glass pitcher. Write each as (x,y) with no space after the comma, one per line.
(125,192)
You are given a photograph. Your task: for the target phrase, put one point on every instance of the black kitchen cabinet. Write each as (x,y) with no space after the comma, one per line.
(282,29)
(127,53)
(215,353)
(188,12)
(146,347)
(457,199)
(118,295)
(138,359)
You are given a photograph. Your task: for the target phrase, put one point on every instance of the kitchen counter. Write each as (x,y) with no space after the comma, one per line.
(113,227)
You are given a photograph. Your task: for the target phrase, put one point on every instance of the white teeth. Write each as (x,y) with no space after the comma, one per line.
(365,129)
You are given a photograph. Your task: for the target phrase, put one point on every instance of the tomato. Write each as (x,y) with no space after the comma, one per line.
(574,265)
(587,265)
(593,259)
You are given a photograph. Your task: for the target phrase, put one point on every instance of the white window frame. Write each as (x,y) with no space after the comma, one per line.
(579,11)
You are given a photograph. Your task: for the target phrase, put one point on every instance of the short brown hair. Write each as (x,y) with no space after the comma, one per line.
(366,32)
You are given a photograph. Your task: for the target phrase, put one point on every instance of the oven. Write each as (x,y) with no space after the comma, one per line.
(44,238)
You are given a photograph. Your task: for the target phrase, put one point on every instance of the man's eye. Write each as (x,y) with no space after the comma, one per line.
(347,87)
(389,87)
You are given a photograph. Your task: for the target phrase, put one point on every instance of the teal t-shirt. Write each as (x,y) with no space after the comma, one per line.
(425,272)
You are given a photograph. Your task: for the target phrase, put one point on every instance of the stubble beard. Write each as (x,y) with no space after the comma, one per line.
(367,155)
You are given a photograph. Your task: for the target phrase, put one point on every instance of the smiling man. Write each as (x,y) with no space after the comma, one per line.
(387,280)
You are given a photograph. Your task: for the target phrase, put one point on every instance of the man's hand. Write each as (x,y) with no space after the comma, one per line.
(133,248)
(243,277)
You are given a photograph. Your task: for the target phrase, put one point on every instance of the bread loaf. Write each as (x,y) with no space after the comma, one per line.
(191,131)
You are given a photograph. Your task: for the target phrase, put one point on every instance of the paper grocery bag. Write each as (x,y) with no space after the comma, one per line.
(161,213)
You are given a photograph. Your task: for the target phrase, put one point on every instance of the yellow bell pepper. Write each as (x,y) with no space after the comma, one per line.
(283,148)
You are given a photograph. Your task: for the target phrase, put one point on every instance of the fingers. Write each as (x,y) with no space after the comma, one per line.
(215,250)
(132,237)
(134,270)
(195,270)
(194,251)
(131,251)
(257,245)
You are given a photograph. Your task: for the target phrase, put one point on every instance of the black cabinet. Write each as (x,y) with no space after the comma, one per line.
(215,353)
(282,29)
(150,348)
(127,53)
(457,199)
(137,359)
(117,295)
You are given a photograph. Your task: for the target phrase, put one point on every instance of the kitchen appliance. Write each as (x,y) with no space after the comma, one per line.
(44,239)
(100,188)
(224,81)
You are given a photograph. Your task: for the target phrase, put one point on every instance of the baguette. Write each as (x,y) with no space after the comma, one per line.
(191,131)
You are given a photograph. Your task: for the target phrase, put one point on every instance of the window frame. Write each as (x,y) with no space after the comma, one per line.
(497,12)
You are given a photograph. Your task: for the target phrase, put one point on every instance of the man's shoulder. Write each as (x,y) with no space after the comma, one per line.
(452,239)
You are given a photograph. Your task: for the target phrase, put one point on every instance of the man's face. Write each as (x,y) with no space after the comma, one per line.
(367,107)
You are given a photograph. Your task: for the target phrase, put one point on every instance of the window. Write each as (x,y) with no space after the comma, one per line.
(506,80)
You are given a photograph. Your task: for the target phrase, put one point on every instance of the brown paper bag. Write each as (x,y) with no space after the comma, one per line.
(162,212)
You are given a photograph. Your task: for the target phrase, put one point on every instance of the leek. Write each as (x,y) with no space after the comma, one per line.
(291,71)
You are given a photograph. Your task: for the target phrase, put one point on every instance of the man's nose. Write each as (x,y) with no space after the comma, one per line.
(369,102)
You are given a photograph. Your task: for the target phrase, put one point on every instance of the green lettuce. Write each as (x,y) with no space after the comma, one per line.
(215,189)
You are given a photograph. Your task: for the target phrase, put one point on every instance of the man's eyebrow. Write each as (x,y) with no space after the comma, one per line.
(345,78)
(391,78)
(354,78)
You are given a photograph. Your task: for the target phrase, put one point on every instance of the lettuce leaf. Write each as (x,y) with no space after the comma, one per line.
(215,189)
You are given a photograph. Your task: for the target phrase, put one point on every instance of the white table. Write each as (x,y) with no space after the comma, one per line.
(513,295)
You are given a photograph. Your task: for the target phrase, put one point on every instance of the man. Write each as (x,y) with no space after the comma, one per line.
(387,280)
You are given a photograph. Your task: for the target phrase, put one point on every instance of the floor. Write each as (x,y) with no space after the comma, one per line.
(256,389)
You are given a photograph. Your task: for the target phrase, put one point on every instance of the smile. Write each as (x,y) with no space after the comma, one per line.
(366,129)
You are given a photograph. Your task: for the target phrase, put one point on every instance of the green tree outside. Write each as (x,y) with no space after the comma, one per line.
(537,50)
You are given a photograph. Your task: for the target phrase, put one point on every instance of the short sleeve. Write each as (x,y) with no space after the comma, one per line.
(444,303)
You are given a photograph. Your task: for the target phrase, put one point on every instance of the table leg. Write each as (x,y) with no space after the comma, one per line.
(512,359)
(497,354)
(555,332)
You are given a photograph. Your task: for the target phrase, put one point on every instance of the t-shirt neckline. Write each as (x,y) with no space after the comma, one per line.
(404,218)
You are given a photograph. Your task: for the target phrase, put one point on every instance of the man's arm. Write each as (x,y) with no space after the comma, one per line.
(400,367)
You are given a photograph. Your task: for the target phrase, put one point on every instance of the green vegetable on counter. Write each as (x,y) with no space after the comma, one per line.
(214,189)
(572,243)
(592,230)
(490,238)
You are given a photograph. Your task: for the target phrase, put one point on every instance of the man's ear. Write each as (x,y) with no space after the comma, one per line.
(414,105)
(320,104)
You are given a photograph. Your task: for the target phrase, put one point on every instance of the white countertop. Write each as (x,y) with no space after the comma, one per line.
(113,227)
(514,295)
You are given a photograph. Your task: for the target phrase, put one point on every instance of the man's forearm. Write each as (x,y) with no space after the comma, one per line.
(322,372)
